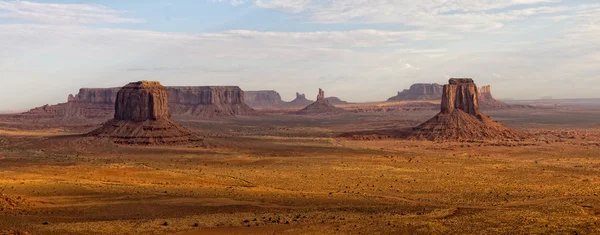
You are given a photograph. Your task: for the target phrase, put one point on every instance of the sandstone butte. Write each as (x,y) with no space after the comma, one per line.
(487,100)
(460,117)
(321,106)
(420,91)
(270,99)
(142,118)
(195,101)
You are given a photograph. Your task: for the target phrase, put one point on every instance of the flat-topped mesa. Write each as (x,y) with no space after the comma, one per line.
(194,101)
(487,101)
(336,101)
(263,99)
(95,95)
(420,91)
(462,94)
(195,95)
(208,101)
(141,101)
(142,117)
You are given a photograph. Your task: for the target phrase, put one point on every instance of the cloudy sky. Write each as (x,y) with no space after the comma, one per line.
(358,50)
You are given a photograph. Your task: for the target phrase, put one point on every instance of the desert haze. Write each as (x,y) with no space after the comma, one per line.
(196,117)
(367,168)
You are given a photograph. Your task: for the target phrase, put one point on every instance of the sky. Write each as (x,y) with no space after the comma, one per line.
(358,50)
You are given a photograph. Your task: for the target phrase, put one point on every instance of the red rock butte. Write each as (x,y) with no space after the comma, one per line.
(321,106)
(460,118)
(142,118)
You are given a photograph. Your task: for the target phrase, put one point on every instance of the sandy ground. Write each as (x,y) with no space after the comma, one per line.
(283,174)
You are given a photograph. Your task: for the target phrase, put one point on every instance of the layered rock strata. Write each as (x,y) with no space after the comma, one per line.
(420,91)
(195,101)
(142,118)
(460,117)
(321,106)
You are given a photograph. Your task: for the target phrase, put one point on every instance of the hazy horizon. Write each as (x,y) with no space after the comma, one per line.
(359,51)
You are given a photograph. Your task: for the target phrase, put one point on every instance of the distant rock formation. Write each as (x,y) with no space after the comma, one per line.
(486,100)
(336,101)
(299,102)
(208,101)
(263,99)
(270,99)
(142,118)
(420,91)
(460,118)
(321,106)
(197,101)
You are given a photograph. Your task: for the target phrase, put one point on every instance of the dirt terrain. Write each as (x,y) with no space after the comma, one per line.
(276,173)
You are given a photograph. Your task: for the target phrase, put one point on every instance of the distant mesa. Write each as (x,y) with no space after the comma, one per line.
(486,100)
(267,99)
(299,102)
(191,101)
(270,99)
(420,91)
(208,101)
(336,101)
(142,118)
(321,106)
(460,118)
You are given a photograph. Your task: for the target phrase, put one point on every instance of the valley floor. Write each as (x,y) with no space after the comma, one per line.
(293,175)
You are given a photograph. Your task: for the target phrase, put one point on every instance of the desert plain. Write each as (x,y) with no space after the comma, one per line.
(276,173)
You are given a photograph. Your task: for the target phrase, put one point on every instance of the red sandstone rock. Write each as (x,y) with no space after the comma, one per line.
(208,101)
(141,101)
(321,106)
(299,102)
(142,117)
(460,118)
(263,99)
(420,91)
(336,101)
(487,101)
(195,101)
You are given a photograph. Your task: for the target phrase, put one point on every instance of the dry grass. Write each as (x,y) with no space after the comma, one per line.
(292,182)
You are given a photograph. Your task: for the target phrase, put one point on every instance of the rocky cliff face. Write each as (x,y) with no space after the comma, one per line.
(200,101)
(208,101)
(263,99)
(420,91)
(487,101)
(142,117)
(95,96)
(142,101)
(197,95)
(462,94)
(460,118)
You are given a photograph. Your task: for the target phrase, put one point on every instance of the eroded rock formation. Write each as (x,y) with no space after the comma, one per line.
(198,101)
(321,106)
(420,91)
(142,117)
(487,101)
(460,118)
(299,102)
(336,101)
(263,99)
(208,101)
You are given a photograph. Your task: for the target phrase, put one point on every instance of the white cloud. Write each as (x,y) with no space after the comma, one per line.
(463,15)
(61,13)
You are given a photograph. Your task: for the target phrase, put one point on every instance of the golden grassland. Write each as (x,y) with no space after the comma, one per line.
(288,181)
